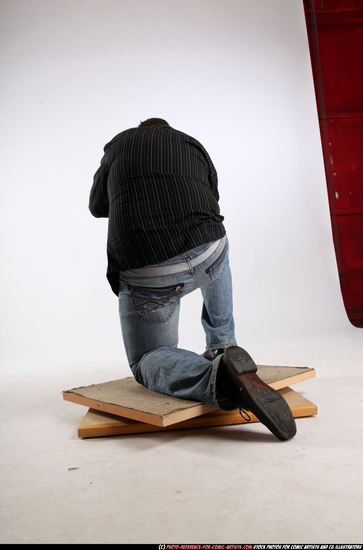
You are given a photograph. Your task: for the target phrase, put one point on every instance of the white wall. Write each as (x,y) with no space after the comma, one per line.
(236,75)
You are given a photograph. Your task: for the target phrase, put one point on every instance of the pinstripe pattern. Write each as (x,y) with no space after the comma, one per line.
(159,189)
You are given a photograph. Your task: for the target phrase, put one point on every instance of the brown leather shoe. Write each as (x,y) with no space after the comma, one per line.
(238,371)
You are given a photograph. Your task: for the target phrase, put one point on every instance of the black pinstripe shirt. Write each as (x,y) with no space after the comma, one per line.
(159,189)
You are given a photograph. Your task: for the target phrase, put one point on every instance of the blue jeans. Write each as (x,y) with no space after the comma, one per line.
(149,315)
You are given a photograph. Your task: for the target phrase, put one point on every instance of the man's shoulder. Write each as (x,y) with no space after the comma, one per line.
(119,137)
(186,136)
(140,131)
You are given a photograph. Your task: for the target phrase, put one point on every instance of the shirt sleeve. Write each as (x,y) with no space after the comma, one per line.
(98,199)
(212,176)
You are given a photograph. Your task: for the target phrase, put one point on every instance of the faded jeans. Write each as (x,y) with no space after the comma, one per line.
(149,308)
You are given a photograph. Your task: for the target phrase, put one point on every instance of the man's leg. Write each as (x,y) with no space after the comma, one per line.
(217,311)
(237,381)
(149,320)
(149,323)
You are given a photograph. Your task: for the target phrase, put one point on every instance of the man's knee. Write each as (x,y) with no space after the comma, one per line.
(136,371)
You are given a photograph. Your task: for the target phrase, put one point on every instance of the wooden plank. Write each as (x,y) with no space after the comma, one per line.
(100,424)
(280,377)
(127,398)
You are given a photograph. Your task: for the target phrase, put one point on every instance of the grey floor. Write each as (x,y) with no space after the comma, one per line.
(234,484)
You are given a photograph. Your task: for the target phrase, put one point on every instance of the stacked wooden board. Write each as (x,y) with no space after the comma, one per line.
(126,407)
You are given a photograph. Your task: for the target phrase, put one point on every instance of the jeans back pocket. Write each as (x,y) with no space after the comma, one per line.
(155,305)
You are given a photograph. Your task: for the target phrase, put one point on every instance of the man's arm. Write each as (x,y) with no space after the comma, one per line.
(213,179)
(98,200)
(212,175)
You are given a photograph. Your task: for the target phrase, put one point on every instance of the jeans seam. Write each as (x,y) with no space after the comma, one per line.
(213,381)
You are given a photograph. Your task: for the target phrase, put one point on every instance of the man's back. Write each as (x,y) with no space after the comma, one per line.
(159,188)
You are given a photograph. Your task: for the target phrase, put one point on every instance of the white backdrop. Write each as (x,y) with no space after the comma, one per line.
(237,76)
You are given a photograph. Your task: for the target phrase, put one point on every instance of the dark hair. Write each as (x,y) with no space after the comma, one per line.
(154,122)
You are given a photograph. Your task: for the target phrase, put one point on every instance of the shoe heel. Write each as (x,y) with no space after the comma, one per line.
(238,360)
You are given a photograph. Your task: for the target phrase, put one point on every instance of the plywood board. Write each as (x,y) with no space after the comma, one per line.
(99,424)
(127,398)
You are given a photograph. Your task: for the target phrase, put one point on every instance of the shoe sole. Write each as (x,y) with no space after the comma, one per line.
(252,393)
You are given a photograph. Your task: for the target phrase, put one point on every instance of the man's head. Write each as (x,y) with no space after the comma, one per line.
(154,122)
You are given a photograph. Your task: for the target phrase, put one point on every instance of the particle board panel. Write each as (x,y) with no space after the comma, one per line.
(100,424)
(126,398)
